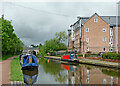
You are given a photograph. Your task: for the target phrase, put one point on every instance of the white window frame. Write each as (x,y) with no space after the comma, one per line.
(105,49)
(111,31)
(110,49)
(95,19)
(87,40)
(87,29)
(104,39)
(104,29)
(87,48)
(104,81)
(111,40)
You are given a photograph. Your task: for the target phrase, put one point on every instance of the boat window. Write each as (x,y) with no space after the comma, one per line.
(33,61)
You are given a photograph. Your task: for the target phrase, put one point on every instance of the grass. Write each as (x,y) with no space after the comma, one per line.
(6,57)
(16,72)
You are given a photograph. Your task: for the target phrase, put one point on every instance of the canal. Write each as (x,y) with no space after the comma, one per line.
(56,72)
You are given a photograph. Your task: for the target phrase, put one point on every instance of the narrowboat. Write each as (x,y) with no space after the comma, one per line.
(28,61)
(69,58)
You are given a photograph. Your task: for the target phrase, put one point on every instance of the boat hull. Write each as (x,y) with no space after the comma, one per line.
(30,68)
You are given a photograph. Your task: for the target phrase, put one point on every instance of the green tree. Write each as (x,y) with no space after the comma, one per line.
(11,44)
(35,46)
(61,36)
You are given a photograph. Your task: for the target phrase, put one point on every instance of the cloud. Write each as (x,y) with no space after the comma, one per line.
(36,22)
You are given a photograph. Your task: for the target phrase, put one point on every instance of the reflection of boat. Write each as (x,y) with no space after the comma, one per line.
(28,61)
(68,67)
(30,77)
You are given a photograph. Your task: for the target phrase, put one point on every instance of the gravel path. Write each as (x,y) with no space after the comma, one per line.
(5,72)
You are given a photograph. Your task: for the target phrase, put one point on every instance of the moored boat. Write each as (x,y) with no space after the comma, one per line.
(69,58)
(28,61)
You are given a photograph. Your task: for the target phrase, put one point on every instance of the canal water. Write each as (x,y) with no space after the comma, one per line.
(56,72)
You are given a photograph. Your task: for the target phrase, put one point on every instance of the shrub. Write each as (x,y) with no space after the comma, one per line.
(79,55)
(89,52)
(110,55)
(86,55)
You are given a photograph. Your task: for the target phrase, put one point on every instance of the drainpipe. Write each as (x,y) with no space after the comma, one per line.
(117,28)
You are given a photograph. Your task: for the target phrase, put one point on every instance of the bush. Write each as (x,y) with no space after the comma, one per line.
(79,55)
(110,55)
(91,55)
(89,52)
(86,55)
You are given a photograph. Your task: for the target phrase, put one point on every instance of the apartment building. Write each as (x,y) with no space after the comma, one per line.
(95,34)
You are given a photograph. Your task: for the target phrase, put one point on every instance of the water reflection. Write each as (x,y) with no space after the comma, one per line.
(55,72)
(30,76)
(92,75)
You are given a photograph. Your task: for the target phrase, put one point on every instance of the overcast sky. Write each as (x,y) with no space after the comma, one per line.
(36,22)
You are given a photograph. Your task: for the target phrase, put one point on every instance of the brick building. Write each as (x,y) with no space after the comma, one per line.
(95,34)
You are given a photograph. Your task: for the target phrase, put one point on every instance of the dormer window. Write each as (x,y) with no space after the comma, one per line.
(95,19)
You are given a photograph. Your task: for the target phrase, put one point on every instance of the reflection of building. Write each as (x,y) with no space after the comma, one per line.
(85,75)
(95,76)
(95,34)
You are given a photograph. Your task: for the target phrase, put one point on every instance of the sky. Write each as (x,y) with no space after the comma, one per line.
(36,21)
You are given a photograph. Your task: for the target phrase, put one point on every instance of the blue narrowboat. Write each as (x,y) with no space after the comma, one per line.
(28,61)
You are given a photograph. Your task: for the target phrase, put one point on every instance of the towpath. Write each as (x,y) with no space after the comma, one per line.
(99,62)
(5,71)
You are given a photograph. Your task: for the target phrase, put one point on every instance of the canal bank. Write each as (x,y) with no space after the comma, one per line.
(5,66)
(91,62)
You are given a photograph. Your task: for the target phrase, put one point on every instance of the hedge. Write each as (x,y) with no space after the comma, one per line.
(79,55)
(111,55)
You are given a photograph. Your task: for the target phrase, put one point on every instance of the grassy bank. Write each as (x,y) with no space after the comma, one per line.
(7,56)
(16,72)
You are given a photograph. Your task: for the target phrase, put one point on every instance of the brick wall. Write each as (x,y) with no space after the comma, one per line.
(77,40)
(70,43)
(95,35)
(114,39)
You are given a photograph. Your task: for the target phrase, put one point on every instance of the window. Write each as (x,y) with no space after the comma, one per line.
(104,30)
(111,40)
(104,81)
(87,49)
(87,40)
(87,29)
(111,49)
(104,39)
(104,49)
(95,19)
(111,31)
(80,33)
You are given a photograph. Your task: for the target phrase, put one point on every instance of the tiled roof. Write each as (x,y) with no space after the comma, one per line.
(110,20)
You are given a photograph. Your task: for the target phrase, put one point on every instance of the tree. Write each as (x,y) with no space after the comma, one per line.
(54,44)
(11,44)
(61,36)
(35,46)
(40,45)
